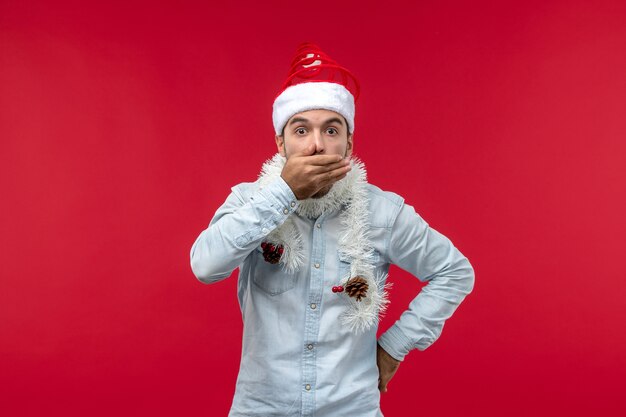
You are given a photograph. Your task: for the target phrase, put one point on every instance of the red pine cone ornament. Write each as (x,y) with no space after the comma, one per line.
(272,253)
(357,287)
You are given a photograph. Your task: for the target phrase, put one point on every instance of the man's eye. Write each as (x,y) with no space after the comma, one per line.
(332,130)
(300,130)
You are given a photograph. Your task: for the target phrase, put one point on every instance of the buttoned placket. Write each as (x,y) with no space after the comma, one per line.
(312,318)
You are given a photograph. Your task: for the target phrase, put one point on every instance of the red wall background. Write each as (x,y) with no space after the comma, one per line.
(123,126)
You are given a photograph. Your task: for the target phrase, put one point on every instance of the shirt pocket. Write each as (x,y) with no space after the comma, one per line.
(345,263)
(344,267)
(271,278)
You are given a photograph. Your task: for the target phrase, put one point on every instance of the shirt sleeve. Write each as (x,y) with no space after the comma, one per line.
(237,228)
(422,251)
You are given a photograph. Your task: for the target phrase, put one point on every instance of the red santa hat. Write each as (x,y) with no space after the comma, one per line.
(315,81)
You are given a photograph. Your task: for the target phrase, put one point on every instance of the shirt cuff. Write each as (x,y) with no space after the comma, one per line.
(395,343)
(280,196)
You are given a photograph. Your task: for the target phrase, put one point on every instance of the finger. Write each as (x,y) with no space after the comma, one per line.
(330,167)
(330,179)
(382,387)
(321,160)
(339,173)
(331,176)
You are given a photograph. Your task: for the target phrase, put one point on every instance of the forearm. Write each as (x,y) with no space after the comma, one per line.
(237,228)
(422,323)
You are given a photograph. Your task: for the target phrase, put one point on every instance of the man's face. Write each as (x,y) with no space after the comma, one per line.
(324,128)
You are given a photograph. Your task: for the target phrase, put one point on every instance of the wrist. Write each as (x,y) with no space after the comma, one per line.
(295,191)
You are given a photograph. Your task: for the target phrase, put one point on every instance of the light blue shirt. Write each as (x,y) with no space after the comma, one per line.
(297,359)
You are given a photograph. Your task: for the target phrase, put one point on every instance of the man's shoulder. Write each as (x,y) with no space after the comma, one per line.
(384,206)
(383,196)
(245,189)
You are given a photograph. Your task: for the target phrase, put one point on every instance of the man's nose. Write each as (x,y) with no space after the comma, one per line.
(319,141)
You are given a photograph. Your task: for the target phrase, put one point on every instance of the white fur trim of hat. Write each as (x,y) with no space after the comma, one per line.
(312,96)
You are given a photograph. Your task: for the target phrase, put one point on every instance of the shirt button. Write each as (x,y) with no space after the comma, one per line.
(309,346)
(293,204)
(313,306)
(286,211)
(318,225)
(307,387)
(317,265)
(264,230)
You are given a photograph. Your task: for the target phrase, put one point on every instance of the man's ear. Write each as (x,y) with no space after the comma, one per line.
(280,144)
(350,144)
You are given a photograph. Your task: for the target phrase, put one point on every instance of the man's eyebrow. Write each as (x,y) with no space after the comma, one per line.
(298,120)
(334,120)
(327,122)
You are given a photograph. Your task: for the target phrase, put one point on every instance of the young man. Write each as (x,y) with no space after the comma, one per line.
(313,241)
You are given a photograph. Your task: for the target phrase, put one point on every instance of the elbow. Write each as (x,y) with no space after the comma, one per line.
(205,272)
(461,276)
(205,264)
(469,278)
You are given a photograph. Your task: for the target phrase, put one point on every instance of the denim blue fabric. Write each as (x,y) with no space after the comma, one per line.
(297,359)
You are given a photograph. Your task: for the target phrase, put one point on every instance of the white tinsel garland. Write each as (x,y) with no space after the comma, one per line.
(354,240)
